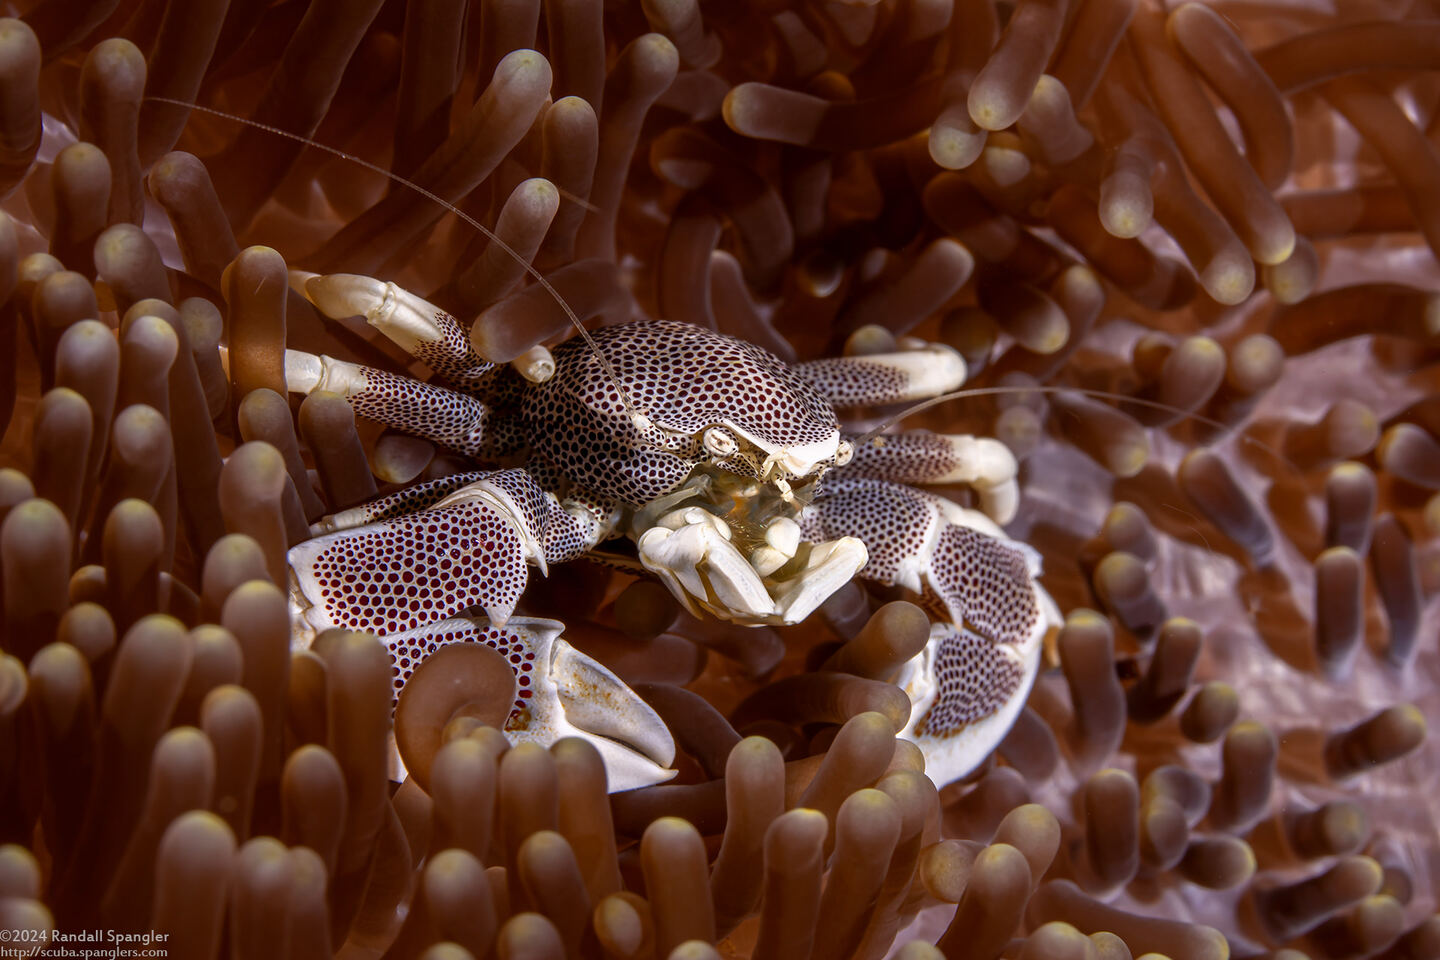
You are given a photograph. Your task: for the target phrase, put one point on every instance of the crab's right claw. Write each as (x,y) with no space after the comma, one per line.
(559,692)
(469,550)
(690,550)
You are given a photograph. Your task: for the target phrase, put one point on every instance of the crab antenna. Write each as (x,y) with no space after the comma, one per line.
(890,421)
(637,419)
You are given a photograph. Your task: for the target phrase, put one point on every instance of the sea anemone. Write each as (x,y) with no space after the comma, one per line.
(1187,251)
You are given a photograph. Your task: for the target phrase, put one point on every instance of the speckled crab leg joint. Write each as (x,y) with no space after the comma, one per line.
(982,463)
(453,419)
(915,374)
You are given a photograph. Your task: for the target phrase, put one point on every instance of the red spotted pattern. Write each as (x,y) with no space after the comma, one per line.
(404,573)
(452,357)
(914,457)
(979,579)
(409,650)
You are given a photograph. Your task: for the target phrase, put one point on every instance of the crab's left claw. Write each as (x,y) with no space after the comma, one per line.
(690,550)
(559,692)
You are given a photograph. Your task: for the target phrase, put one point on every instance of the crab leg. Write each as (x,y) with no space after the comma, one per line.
(984,464)
(559,692)
(416,325)
(977,670)
(470,549)
(455,420)
(925,371)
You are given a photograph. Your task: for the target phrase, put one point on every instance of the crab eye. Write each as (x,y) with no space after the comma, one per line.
(843,452)
(719,443)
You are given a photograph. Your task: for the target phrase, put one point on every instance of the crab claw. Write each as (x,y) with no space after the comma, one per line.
(690,550)
(969,683)
(469,550)
(559,692)
(965,693)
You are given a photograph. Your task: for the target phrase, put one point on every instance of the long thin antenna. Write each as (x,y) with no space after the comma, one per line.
(637,419)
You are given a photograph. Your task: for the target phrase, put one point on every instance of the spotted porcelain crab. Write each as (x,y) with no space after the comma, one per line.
(728,470)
